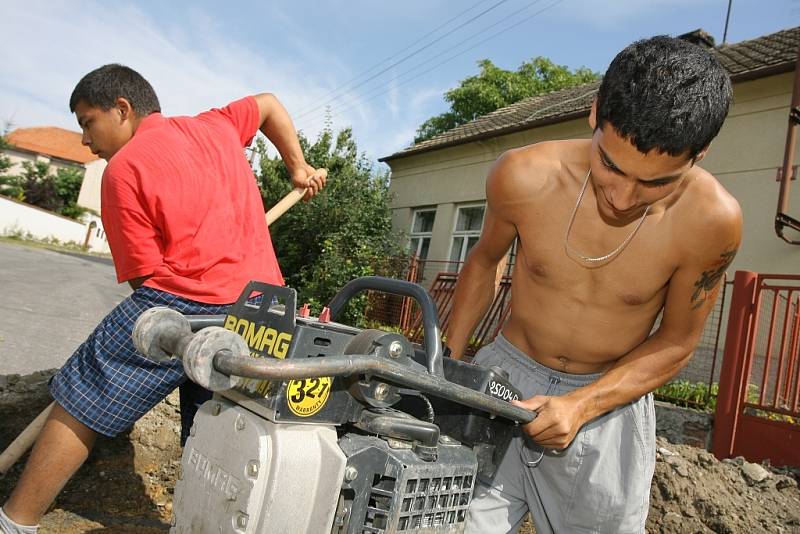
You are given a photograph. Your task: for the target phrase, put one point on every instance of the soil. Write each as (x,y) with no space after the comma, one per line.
(126,485)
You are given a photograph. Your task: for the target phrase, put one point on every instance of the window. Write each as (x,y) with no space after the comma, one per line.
(421,229)
(469,221)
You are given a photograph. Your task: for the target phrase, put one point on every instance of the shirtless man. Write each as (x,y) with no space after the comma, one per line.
(610,230)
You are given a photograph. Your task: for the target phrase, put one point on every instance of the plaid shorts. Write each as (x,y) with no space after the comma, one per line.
(106,384)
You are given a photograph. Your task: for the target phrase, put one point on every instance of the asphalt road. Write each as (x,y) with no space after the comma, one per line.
(50,301)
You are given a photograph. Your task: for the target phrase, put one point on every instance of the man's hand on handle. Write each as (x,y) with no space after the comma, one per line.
(557,422)
(309,178)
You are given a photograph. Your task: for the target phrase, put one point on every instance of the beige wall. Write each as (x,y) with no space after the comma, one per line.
(17,158)
(89,197)
(744,158)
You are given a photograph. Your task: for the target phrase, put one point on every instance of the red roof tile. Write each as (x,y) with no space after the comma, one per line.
(51,141)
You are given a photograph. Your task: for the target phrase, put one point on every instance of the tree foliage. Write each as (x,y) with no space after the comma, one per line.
(8,183)
(38,186)
(342,233)
(495,88)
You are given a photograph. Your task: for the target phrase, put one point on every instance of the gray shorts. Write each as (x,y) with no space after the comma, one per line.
(600,483)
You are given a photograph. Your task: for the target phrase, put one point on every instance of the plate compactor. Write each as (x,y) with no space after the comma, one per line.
(320,427)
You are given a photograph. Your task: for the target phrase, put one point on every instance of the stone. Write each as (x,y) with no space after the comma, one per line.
(679,465)
(754,473)
(666,453)
(706,458)
(786,482)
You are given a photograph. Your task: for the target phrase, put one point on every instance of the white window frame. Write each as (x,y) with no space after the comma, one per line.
(422,236)
(466,234)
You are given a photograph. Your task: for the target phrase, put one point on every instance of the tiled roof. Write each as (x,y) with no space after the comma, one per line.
(53,142)
(756,58)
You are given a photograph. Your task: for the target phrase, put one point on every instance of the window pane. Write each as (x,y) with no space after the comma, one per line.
(470,243)
(423,251)
(413,245)
(469,219)
(423,221)
(455,252)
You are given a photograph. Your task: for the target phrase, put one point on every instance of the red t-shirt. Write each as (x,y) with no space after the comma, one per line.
(180,202)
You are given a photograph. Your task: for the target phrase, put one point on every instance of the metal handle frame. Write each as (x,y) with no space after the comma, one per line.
(430,317)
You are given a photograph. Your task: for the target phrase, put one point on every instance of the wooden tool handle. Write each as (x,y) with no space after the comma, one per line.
(283,205)
(24,441)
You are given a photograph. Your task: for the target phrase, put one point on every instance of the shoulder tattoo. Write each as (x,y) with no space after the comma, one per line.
(707,281)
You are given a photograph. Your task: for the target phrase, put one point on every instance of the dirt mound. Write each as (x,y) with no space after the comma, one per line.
(694,492)
(126,485)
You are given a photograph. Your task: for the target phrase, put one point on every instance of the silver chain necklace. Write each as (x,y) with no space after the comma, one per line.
(595,262)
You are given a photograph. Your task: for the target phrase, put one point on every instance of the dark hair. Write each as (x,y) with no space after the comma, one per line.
(101,88)
(666,94)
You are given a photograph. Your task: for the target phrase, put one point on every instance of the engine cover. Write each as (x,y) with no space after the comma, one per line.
(241,473)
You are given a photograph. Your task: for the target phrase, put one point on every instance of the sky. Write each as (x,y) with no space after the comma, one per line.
(381,68)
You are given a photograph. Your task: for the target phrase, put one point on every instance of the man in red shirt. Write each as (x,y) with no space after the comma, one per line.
(185,222)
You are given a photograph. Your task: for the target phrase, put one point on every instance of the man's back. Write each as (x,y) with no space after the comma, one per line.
(196,222)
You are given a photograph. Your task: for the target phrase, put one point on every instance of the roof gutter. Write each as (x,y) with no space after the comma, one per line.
(763,72)
(547,121)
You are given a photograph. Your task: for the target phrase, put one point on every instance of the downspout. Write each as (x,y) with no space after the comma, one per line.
(782,220)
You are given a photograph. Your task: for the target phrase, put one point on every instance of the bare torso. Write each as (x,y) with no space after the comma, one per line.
(573,317)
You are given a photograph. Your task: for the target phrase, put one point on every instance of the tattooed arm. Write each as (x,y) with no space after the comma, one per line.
(690,297)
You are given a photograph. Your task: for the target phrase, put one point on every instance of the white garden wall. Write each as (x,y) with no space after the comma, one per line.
(24,219)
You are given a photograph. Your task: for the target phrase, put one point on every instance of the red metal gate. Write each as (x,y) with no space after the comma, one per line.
(758,407)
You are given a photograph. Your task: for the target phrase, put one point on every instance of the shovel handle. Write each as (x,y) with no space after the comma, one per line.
(283,205)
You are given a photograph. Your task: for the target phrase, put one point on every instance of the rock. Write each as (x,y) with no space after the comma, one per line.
(754,473)
(706,458)
(785,482)
(679,465)
(11,380)
(722,525)
(173,399)
(666,453)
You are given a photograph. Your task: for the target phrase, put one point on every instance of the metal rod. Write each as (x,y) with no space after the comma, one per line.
(727,20)
(768,355)
(792,353)
(291,369)
(782,350)
(724,289)
(781,219)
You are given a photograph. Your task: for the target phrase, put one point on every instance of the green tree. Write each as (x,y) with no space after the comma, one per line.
(495,88)
(343,233)
(53,192)
(39,186)
(68,186)
(9,184)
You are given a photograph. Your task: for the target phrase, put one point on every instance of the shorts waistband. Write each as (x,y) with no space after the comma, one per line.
(532,365)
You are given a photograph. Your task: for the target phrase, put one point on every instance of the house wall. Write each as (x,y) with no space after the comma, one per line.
(89,196)
(744,157)
(20,218)
(18,157)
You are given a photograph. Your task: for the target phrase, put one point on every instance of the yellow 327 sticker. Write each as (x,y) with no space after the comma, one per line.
(307,396)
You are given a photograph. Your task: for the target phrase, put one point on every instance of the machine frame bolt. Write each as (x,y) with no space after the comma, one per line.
(395,349)
(216,409)
(381,391)
(350,473)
